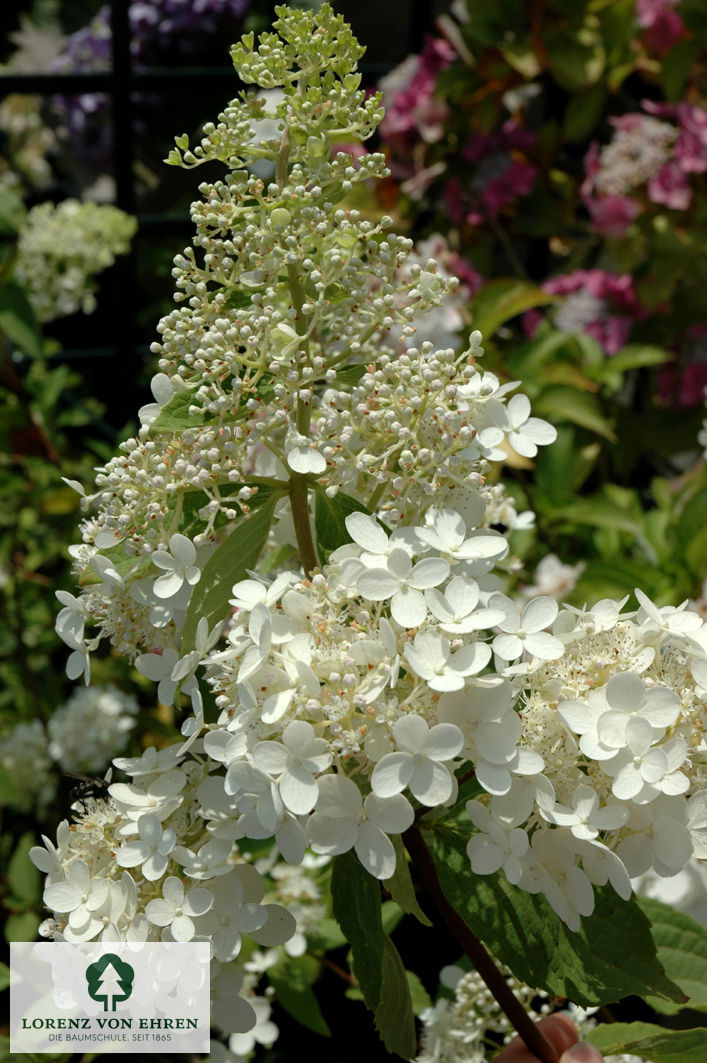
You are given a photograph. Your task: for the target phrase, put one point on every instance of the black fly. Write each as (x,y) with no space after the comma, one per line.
(88,787)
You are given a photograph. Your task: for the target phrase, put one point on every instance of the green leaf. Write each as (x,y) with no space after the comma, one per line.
(330,520)
(569,404)
(676,65)
(575,63)
(4,976)
(500,300)
(521,929)
(23,877)
(22,927)
(328,934)
(561,469)
(693,519)
(349,375)
(175,416)
(682,949)
(18,320)
(633,356)
(650,1042)
(394,1017)
(613,578)
(8,790)
(291,979)
(527,360)
(12,213)
(419,996)
(597,512)
(228,564)
(356,903)
(400,886)
(583,111)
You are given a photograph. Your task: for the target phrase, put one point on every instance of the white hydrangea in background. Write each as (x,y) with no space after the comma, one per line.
(553,578)
(90,728)
(25,759)
(686,891)
(62,247)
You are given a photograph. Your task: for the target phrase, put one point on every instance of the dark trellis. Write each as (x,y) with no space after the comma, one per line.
(410,21)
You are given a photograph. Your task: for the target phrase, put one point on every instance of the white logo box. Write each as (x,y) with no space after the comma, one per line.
(136,997)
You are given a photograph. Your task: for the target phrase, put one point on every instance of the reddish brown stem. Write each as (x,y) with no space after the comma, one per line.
(482,961)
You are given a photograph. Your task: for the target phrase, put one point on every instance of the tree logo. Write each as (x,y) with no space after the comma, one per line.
(110,979)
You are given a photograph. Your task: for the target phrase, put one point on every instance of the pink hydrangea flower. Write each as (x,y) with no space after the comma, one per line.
(597,303)
(613,215)
(662,25)
(412,109)
(682,386)
(499,176)
(670,187)
(649,157)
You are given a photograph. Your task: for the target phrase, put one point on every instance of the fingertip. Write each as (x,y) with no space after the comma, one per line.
(560,1031)
(582,1052)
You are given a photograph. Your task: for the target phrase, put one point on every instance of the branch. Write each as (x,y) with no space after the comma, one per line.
(476,951)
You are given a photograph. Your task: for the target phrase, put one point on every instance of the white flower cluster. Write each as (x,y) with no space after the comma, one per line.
(90,728)
(638,148)
(142,867)
(423,427)
(62,247)
(465,1024)
(30,778)
(82,736)
(618,723)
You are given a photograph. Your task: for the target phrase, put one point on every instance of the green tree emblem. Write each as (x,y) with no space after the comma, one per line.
(110,979)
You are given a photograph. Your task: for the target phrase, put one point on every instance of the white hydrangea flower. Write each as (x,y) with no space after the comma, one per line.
(302,455)
(525,433)
(25,757)
(294,762)
(586,819)
(526,633)
(496,846)
(178,908)
(343,820)
(179,566)
(430,657)
(151,852)
(402,583)
(418,763)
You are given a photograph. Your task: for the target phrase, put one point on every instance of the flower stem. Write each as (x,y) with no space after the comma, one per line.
(299,503)
(474,949)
